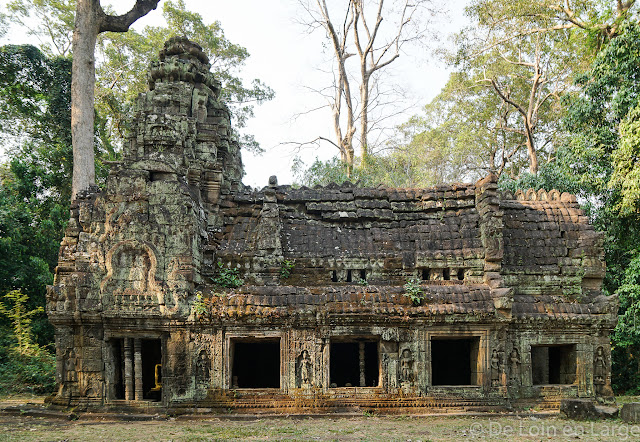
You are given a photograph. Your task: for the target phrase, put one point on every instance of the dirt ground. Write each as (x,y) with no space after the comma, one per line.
(361,428)
(365,427)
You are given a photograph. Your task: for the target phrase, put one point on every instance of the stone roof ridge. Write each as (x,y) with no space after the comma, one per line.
(541,195)
(349,190)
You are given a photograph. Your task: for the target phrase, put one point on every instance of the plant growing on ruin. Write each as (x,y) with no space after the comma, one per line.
(414,291)
(362,282)
(286,268)
(227,277)
(15,309)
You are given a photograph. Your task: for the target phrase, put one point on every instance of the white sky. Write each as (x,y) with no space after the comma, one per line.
(286,58)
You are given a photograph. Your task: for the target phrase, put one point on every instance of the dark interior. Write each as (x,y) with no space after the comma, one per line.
(344,366)
(151,355)
(553,364)
(117,347)
(256,364)
(451,361)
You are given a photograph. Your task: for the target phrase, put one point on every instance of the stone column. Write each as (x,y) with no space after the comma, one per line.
(128,370)
(137,343)
(363,379)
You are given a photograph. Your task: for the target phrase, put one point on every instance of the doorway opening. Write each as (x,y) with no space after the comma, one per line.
(553,364)
(256,364)
(354,363)
(454,361)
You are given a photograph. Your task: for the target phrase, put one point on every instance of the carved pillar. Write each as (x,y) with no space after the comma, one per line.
(138,368)
(363,379)
(128,370)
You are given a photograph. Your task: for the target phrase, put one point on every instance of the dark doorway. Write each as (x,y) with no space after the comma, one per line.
(345,367)
(117,349)
(151,357)
(454,361)
(256,364)
(553,364)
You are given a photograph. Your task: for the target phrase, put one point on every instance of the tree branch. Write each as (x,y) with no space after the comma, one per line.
(121,23)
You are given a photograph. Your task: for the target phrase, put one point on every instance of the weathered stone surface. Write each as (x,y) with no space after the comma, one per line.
(178,284)
(586,409)
(630,412)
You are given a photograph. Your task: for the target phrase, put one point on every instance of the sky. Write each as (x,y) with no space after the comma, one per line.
(289,59)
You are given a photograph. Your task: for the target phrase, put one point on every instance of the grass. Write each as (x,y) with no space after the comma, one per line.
(389,428)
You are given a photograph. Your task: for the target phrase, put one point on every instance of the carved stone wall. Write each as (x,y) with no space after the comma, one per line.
(507,305)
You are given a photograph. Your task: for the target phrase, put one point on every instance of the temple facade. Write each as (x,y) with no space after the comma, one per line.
(180,288)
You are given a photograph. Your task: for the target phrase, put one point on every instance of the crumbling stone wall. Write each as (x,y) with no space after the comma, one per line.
(506,306)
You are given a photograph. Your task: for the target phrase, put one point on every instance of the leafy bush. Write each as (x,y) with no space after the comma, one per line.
(286,268)
(414,291)
(25,367)
(228,278)
(34,372)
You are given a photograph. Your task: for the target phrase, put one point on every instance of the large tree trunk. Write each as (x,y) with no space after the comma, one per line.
(82,94)
(91,21)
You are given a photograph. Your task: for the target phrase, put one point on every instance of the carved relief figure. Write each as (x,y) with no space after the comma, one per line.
(203,367)
(599,367)
(514,367)
(495,368)
(406,366)
(138,274)
(130,280)
(492,239)
(304,368)
(70,365)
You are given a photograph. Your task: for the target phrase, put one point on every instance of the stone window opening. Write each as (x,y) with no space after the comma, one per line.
(349,276)
(354,363)
(460,275)
(334,276)
(454,361)
(255,363)
(553,364)
(161,176)
(137,369)
(363,275)
(426,274)
(446,274)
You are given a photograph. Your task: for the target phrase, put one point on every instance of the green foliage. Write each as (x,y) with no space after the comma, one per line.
(401,168)
(626,162)
(286,268)
(227,277)
(362,282)
(14,308)
(35,179)
(50,21)
(603,119)
(414,291)
(26,373)
(24,365)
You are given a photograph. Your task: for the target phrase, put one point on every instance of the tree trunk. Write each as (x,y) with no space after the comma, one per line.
(364,118)
(533,157)
(82,94)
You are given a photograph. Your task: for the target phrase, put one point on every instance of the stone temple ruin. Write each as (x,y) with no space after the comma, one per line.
(503,306)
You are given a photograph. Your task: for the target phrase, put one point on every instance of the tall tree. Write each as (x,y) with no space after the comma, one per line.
(124,58)
(528,61)
(91,20)
(35,178)
(359,34)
